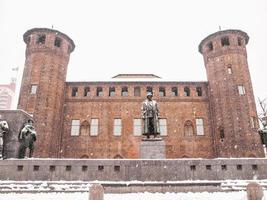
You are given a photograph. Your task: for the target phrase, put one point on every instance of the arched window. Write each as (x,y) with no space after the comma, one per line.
(118,156)
(84,156)
(124,91)
(85,128)
(188,128)
(186,91)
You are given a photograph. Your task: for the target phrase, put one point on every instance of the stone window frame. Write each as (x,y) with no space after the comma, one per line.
(99,91)
(58,42)
(187,91)
(74,91)
(229,69)
(241,90)
(41,38)
(86,91)
(34,88)
(210,46)
(225,41)
(174,91)
(94,127)
(188,124)
(137,127)
(124,91)
(117,127)
(111,91)
(75,127)
(200,128)
(163,126)
(162,91)
(199,91)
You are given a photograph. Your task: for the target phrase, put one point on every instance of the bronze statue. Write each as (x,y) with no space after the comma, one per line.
(150,116)
(263,131)
(27,137)
(4,128)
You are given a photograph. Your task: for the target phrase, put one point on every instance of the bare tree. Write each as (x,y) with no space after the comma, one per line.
(263,113)
(263,119)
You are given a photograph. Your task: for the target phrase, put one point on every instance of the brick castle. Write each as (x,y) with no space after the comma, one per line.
(210,119)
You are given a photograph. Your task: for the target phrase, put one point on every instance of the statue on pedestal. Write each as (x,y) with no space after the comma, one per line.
(4,128)
(150,116)
(27,137)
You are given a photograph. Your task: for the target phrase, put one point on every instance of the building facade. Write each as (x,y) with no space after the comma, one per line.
(7,95)
(101,119)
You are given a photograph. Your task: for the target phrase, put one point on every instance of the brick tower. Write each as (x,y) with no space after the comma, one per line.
(43,85)
(232,103)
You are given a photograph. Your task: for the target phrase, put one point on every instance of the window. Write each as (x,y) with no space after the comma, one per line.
(74,92)
(225,41)
(149,89)
(57,42)
(162,92)
(163,127)
(200,126)
(75,127)
(254,123)
(241,89)
(40,39)
(117,127)
(94,127)
(137,91)
(174,92)
(199,91)
(137,127)
(210,46)
(99,91)
(221,130)
(186,92)
(224,167)
(229,70)
(124,91)
(86,92)
(34,89)
(239,167)
(188,128)
(239,41)
(111,92)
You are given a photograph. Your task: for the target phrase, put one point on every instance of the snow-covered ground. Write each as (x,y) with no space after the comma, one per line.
(241,195)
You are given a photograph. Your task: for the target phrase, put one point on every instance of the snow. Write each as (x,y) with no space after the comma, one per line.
(241,195)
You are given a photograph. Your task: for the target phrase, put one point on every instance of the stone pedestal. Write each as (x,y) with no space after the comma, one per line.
(96,192)
(152,149)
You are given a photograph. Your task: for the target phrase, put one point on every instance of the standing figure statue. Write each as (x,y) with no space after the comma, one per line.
(150,116)
(4,128)
(27,137)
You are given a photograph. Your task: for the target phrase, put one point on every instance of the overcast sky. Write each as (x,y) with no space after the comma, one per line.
(138,36)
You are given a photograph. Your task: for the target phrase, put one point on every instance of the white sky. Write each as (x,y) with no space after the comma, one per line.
(137,36)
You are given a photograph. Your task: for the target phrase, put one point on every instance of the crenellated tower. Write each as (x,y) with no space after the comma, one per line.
(43,85)
(232,104)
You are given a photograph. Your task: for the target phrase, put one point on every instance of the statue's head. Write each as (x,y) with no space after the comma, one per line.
(4,125)
(149,95)
(30,121)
